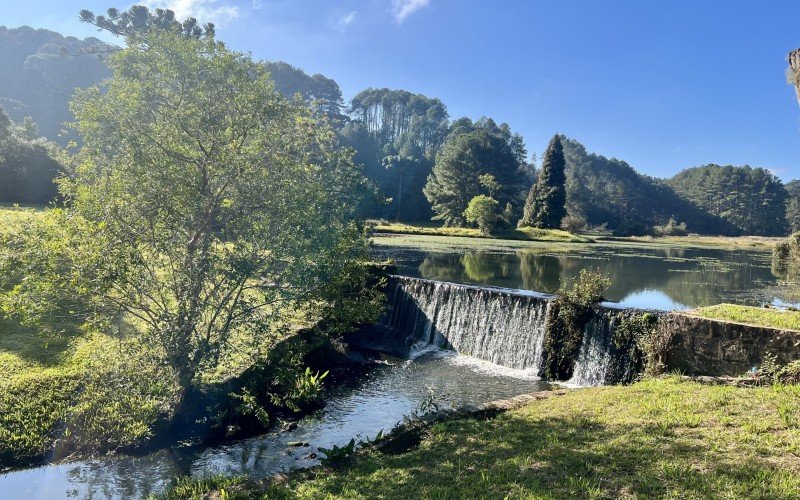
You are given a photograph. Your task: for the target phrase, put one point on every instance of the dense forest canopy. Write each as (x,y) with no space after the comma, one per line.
(398,137)
(752,200)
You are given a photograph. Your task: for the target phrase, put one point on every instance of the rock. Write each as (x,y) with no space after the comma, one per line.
(291,426)
(297,444)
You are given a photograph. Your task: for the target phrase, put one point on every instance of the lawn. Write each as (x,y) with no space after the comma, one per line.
(759,316)
(656,438)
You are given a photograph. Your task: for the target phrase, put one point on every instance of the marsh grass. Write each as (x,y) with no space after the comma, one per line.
(653,439)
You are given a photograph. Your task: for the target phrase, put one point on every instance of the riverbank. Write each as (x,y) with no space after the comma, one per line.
(523,234)
(657,438)
(466,237)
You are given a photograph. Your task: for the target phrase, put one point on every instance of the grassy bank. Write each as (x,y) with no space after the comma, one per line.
(398,234)
(741,242)
(657,438)
(524,234)
(759,316)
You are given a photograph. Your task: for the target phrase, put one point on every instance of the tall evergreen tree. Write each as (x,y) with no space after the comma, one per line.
(546,203)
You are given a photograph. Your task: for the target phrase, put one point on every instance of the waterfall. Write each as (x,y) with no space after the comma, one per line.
(595,361)
(502,326)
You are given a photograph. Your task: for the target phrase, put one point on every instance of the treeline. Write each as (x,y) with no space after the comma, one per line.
(427,166)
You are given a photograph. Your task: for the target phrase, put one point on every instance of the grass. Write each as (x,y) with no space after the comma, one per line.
(740,242)
(759,316)
(656,438)
(525,234)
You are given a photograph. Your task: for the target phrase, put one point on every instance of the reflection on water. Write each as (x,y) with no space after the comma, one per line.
(659,278)
(377,401)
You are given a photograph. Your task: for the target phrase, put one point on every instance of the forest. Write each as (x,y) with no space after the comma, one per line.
(425,164)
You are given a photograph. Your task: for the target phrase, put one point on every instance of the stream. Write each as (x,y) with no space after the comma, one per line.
(392,389)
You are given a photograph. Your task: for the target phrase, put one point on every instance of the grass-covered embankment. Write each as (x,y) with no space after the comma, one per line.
(523,234)
(750,315)
(657,438)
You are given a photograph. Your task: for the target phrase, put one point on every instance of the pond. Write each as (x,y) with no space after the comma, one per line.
(664,278)
(393,388)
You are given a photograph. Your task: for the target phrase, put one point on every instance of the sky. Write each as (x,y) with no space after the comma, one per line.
(663,85)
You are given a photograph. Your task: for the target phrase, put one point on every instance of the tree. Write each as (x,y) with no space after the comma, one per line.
(138,20)
(750,200)
(482,210)
(793,205)
(204,206)
(29,164)
(471,152)
(546,203)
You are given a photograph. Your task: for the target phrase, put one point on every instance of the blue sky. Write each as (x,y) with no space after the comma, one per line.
(661,85)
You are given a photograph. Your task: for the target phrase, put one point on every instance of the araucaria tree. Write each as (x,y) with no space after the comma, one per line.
(546,203)
(204,207)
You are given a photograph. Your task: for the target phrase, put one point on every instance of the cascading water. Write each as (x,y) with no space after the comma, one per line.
(496,325)
(502,326)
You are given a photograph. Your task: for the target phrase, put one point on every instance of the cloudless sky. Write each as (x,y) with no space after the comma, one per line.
(663,85)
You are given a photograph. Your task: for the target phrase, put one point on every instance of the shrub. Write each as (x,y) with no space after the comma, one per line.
(573,223)
(566,318)
(482,210)
(671,228)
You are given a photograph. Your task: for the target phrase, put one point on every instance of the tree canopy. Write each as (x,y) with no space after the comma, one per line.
(204,205)
(470,151)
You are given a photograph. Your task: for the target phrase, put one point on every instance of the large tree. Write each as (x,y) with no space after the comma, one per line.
(546,202)
(204,205)
(471,151)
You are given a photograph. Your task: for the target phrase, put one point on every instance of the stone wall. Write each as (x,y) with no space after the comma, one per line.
(702,346)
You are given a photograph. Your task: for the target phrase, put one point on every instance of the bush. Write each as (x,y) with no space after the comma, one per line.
(573,223)
(566,318)
(671,228)
(482,210)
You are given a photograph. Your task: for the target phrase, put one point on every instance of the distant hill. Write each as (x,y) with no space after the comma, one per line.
(39,71)
(607,190)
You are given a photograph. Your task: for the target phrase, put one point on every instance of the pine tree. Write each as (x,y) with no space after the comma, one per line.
(546,203)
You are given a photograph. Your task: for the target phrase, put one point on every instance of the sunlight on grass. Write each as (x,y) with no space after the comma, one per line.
(759,316)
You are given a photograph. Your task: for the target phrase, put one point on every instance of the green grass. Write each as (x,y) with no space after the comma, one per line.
(759,316)
(525,234)
(663,438)
(699,241)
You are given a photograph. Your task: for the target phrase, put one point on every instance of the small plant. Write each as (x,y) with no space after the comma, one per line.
(337,455)
(304,392)
(250,405)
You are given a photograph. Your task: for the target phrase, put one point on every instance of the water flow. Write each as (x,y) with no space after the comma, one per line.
(500,326)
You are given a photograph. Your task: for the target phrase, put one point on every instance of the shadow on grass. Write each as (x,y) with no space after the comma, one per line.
(574,457)
(44,345)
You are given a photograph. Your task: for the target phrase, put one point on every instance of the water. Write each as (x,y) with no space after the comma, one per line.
(664,278)
(392,389)
(502,326)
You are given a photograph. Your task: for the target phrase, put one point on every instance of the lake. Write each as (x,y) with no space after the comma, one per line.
(658,277)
